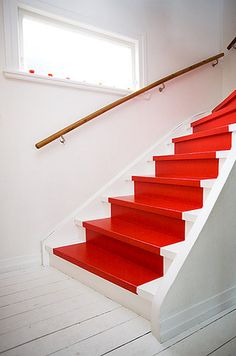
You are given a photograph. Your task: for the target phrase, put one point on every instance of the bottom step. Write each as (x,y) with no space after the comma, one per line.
(108,265)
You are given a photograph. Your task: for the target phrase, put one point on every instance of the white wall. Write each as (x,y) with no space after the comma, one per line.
(228,34)
(40,188)
(208,276)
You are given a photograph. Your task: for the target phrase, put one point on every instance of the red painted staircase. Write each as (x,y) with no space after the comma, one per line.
(125,248)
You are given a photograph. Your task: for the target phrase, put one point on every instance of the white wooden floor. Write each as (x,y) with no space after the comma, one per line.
(43,312)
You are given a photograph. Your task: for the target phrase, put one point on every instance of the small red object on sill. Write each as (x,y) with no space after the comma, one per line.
(50,75)
(31,71)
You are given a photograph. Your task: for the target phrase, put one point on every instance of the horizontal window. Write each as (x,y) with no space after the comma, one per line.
(62,50)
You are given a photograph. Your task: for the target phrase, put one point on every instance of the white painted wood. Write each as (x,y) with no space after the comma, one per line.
(146,345)
(54,309)
(19,272)
(31,284)
(228,349)
(171,251)
(206,339)
(111,290)
(26,277)
(75,332)
(88,306)
(11,74)
(191,215)
(207,183)
(232,127)
(25,295)
(40,301)
(21,262)
(91,324)
(148,290)
(109,339)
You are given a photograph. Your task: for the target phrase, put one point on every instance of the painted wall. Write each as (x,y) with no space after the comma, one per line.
(40,188)
(228,34)
(208,276)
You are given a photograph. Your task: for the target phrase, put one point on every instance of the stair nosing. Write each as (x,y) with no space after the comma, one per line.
(186,156)
(127,239)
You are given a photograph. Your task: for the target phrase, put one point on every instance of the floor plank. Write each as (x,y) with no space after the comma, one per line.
(110,339)
(38,302)
(207,339)
(228,349)
(38,291)
(65,337)
(44,312)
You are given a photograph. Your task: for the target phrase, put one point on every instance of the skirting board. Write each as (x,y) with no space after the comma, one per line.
(20,262)
(196,314)
(110,290)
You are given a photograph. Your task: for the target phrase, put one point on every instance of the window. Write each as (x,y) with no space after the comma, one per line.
(62,50)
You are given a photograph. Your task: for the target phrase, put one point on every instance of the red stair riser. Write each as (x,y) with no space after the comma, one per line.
(209,143)
(97,272)
(151,260)
(161,223)
(196,168)
(169,191)
(226,119)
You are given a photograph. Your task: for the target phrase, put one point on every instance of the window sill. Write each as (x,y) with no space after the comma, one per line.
(63,82)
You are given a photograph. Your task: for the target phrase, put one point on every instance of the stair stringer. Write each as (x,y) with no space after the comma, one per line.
(168,319)
(69,230)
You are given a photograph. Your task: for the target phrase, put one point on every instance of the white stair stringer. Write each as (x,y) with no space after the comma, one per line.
(163,329)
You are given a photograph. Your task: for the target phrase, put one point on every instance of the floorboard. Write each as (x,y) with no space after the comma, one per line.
(44,312)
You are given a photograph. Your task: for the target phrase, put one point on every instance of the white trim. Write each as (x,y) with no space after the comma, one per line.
(19,262)
(197,313)
(12,74)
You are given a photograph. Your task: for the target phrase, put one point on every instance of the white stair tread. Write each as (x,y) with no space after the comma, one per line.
(171,251)
(191,215)
(148,290)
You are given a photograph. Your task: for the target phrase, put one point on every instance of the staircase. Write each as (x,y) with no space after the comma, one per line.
(126,248)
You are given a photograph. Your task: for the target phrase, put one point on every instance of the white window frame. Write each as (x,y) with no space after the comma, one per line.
(13,10)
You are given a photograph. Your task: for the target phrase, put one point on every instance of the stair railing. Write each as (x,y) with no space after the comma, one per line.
(60,134)
(232,44)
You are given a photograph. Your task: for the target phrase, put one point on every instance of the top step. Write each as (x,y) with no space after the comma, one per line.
(231,99)
(223,117)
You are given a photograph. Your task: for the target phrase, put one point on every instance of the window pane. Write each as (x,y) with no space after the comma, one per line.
(77,54)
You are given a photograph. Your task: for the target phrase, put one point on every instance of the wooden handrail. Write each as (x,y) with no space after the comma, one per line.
(123,100)
(232,43)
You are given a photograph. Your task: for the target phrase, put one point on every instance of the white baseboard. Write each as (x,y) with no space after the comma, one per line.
(19,262)
(198,313)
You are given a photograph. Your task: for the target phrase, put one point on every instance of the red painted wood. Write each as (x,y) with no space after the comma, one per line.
(108,265)
(208,143)
(169,192)
(143,237)
(230,100)
(192,168)
(191,182)
(186,156)
(141,218)
(131,250)
(202,134)
(222,117)
(161,205)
